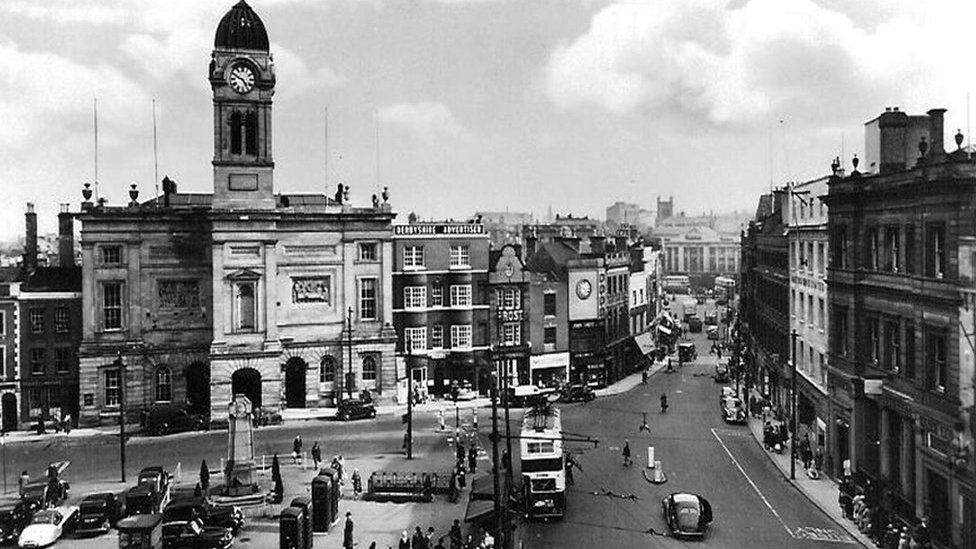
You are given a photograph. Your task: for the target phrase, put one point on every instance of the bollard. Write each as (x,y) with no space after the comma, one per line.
(474,418)
(650,457)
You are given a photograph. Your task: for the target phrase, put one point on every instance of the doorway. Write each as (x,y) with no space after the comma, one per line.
(247,382)
(9,410)
(295,370)
(198,387)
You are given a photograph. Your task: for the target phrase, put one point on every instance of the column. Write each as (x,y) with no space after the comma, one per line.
(221,309)
(270,292)
(133,287)
(907,473)
(884,449)
(88,305)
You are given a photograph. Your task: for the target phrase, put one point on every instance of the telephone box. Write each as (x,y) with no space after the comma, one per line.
(305,504)
(291,532)
(336,496)
(323,504)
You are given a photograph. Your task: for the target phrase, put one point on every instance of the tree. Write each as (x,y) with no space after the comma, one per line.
(204,475)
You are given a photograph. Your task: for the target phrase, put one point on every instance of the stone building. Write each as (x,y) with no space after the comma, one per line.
(509,328)
(441,304)
(900,286)
(282,297)
(807,235)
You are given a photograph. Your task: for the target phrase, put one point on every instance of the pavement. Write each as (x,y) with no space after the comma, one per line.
(821,492)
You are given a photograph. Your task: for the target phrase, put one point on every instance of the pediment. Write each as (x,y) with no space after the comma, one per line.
(243,275)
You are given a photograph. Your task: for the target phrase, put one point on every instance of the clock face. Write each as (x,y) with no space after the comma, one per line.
(584,289)
(242,79)
(509,270)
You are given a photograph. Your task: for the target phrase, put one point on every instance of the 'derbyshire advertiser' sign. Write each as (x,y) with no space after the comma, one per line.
(454,229)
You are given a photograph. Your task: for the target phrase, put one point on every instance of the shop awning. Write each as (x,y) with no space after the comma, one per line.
(479,511)
(483,488)
(645,343)
(664,330)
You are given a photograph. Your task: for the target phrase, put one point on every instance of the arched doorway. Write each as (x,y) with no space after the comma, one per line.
(295,382)
(198,387)
(8,407)
(247,382)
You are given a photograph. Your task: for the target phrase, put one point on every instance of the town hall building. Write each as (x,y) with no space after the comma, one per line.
(191,298)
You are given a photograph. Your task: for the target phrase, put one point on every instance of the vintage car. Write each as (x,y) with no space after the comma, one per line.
(156,477)
(97,513)
(264,417)
(141,499)
(687,352)
(721,373)
(712,333)
(694,324)
(352,408)
(464,391)
(13,520)
(38,495)
(187,510)
(164,419)
(726,392)
(194,535)
(576,392)
(47,526)
(528,395)
(687,515)
(711,319)
(733,411)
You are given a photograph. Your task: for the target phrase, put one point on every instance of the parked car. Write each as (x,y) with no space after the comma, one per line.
(352,408)
(576,392)
(194,535)
(187,510)
(48,525)
(156,477)
(264,417)
(97,513)
(13,520)
(711,332)
(726,392)
(733,411)
(687,515)
(694,324)
(687,352)
(721,373)
(464,391)
(164,419)
(37,495)
(711,319)
(141,499)
(527,395)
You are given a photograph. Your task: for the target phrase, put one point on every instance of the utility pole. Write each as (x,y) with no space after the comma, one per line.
(499,517)
(793,336)
(409,441)
(121,366)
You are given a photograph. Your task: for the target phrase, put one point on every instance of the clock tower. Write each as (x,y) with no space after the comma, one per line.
(242,78)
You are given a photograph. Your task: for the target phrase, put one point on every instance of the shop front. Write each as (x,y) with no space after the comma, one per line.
(550,369)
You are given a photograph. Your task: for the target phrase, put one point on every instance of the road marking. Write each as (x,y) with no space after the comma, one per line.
(822,534)
(733,433)
(753,484)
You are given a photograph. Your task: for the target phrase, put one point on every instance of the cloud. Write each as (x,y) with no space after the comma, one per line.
(738,65)
(428,121)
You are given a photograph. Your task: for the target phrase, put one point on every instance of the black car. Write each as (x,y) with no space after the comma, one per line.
(165,419)
(355,409)
(194,535)
(577,392)
(12,522)
(97,513)
(142,499)
(694,324)
(687,515)
(187,510)
(42,494)
(687,352)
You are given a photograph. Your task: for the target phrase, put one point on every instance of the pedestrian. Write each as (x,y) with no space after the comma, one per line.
(197,490)
(626,452)
(472,459)
(67,424)
(664,403)
(417,541)
(818,458)
(404,542)
(316,455)
(506,460)
(455,534)
(459,453)
(440,543)
(296,450)
(461,478)
(453,488)
(644,426)
(22,482)
(342,469)
(670,367)
(357,484)
(429,538)
(570,462)
(347,534)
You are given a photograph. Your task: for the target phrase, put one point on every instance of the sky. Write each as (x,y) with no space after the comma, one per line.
(465,105)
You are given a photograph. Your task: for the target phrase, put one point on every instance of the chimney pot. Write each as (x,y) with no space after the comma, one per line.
(30,239)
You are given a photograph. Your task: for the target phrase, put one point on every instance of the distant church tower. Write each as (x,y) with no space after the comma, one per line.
(242,78)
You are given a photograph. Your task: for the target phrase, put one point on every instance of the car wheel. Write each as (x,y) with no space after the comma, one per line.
(372,414)
(344,416)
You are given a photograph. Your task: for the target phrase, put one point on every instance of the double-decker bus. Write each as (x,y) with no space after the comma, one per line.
(543,466)
(676,284)
(724,288)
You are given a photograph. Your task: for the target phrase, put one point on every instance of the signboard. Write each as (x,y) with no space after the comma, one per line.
(550,360)
(453,229)
(511,315)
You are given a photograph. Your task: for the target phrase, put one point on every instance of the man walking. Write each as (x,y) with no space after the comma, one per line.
(459,453)
(347,542)
(296,450)
(626,452)
(316,455)
(472,459)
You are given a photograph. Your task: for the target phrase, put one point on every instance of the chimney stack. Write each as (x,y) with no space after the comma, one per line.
(936,132)
(66,237)
(598,244)
(30,240)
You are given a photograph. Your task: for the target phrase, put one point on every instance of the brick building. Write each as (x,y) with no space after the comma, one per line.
(549,313)
(510,310)
(282,297)
(900,283)
(441,303)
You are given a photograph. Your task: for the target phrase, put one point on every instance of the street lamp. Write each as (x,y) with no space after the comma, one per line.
(121,366)
(409,441)
(349,374)
(793,336)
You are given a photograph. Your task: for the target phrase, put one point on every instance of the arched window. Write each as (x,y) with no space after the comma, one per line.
(251,133)
(327,370)
(164,384)
(236,123)
(369,368)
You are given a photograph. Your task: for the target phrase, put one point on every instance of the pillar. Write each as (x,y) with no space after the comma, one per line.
(884,450)
(270,292)
(907,458)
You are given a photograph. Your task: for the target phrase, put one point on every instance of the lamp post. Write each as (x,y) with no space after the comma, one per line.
(349,378)
(409,440)
(793,336)
(121,366)
(499,516)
